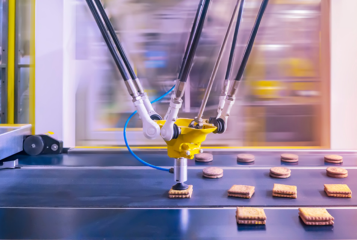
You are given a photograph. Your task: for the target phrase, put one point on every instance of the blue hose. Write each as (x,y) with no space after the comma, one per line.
(126,141)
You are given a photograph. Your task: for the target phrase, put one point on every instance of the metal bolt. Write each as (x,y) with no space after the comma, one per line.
(33,145)
(188,153)
(54,147)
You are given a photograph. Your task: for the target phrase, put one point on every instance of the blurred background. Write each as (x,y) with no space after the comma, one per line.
(278,104)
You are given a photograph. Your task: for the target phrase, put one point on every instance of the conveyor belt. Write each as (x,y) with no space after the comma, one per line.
(97,196)
(146,188)
(160,158)
(166,224)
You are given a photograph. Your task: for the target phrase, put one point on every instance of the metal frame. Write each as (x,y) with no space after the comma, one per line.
(324,118)
(12,138)
(3,66)
(11,60)
(17,70)
(163,149)
(18,66)
(33,68)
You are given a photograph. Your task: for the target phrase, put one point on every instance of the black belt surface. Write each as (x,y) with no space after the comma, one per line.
(160,158)
(166,224)
(71,187)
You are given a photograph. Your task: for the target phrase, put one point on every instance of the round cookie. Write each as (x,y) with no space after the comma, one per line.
(217,176)
(203,157)
(212,172)
(337,175)
(279,176)
(287,157)
(336,172)
(245,158)
(329,161)
(333,158)
(334,162)
(280,171)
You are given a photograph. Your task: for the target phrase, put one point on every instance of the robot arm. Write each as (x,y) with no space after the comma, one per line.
(170,131)
(141,102)
(198,119)
(225,87)
(227,97)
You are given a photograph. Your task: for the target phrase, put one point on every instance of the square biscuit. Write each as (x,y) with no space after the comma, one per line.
(317,223)
(180,196)
(249,213)
(181,192)
(284,195)
(338,188)
(302,217)
(285,189)
(239,195)
(339,195)
(315,214)
(251,222)
(241,189)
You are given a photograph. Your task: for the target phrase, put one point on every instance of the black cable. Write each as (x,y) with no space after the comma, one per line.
(192,33)
(234,41)
(251,40)
(115,38)
(107,40)
(196,38)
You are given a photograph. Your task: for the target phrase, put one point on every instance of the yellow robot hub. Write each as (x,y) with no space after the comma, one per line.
(189,141)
